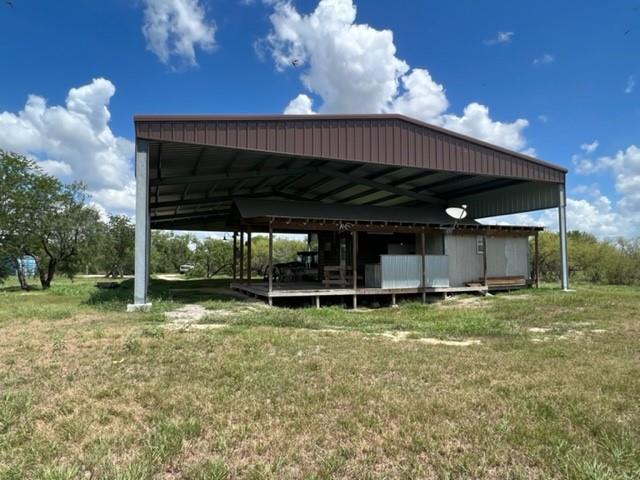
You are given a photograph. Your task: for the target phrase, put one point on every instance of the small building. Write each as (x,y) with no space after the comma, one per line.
(371,190)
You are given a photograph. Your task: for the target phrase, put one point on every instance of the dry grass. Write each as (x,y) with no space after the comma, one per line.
(87,391)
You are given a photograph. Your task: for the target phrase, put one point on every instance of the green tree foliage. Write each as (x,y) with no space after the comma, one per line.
(118,244)
(42,218)
(590,259)
(284,250)
(170,250)
(212,256)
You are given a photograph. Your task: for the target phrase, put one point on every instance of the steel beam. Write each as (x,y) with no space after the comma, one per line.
(423,197)
(216,177)
(562,220)
(142,229)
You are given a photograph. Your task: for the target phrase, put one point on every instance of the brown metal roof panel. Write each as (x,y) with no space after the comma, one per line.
(398,143)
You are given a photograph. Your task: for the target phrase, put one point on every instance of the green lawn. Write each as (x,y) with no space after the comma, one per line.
(549,389)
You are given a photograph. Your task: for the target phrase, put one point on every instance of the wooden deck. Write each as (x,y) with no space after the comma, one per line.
(317,290)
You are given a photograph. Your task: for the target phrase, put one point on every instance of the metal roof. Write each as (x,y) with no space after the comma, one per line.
(199,164)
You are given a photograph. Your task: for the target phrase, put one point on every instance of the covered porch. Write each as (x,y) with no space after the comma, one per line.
(374,187)
(372,251)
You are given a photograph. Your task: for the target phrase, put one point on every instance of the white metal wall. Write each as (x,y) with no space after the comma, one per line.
(465,265)
(506,256)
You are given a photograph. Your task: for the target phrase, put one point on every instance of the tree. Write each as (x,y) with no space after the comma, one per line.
(59,232)
(284,250)
(118,244)
(42,218)
(169,251)
(212,256)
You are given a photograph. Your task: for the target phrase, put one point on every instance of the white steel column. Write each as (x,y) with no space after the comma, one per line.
(142,229)
(562,218)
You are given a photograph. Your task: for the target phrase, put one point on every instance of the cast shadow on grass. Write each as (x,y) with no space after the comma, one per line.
(163,294)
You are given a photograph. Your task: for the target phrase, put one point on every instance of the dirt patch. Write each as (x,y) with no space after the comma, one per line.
(403,336)
(465,302)
(187,314)
(407,336)
(538,330)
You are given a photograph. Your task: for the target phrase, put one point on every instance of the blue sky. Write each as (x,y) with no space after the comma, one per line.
(566,69)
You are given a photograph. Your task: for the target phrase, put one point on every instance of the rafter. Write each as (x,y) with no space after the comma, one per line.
(422,196)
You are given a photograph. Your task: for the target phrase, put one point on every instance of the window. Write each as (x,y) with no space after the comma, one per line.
(480,245)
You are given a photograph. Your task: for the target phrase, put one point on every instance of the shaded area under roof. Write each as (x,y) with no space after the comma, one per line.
(250,208)
(198,165)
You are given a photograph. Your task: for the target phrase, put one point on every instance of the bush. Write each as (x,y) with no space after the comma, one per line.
(590,260)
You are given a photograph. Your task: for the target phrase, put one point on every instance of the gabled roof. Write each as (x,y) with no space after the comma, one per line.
(388,139)
(199,164)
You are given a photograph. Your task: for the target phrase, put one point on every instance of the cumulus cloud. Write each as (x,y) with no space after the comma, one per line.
(301,105)
(501,37)
(476,122)
(596,215)
(354,68)
(73,140)
(174,28)
(421,97)
(545,59)
(55,167)
(590,147)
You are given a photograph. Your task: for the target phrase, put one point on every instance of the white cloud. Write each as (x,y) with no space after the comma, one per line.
(301,105)
(476,123)
(631,84)
(354,68)
(55,167)
(73,140)
(174,28)
(590,147)
(544,59)
(596,215)
(421,97)
(501,37)
(543,118)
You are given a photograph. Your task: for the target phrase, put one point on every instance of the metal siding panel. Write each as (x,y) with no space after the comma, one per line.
(366,142)
(261,137)
(465,265)
(309,131)
(272,137)
(358,135)
(437,270)
(401,271)
(387,140)
(252,135)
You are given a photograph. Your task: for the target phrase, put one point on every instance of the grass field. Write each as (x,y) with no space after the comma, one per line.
(548,388)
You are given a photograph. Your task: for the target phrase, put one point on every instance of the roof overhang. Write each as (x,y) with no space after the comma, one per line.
(198,165)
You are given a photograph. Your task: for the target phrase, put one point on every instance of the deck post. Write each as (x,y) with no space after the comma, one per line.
(393,300)
(484,260)
(562,219)
(423,280)
(249,255)
(270,267)
(142,229)
(317,301)
(241,254)
(354,267)
(536,260)
(235,256)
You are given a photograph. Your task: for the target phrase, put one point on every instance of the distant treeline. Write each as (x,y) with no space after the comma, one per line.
(50,222)
(590,260)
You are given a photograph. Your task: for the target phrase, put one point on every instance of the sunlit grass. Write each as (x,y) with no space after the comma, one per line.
(89,391)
